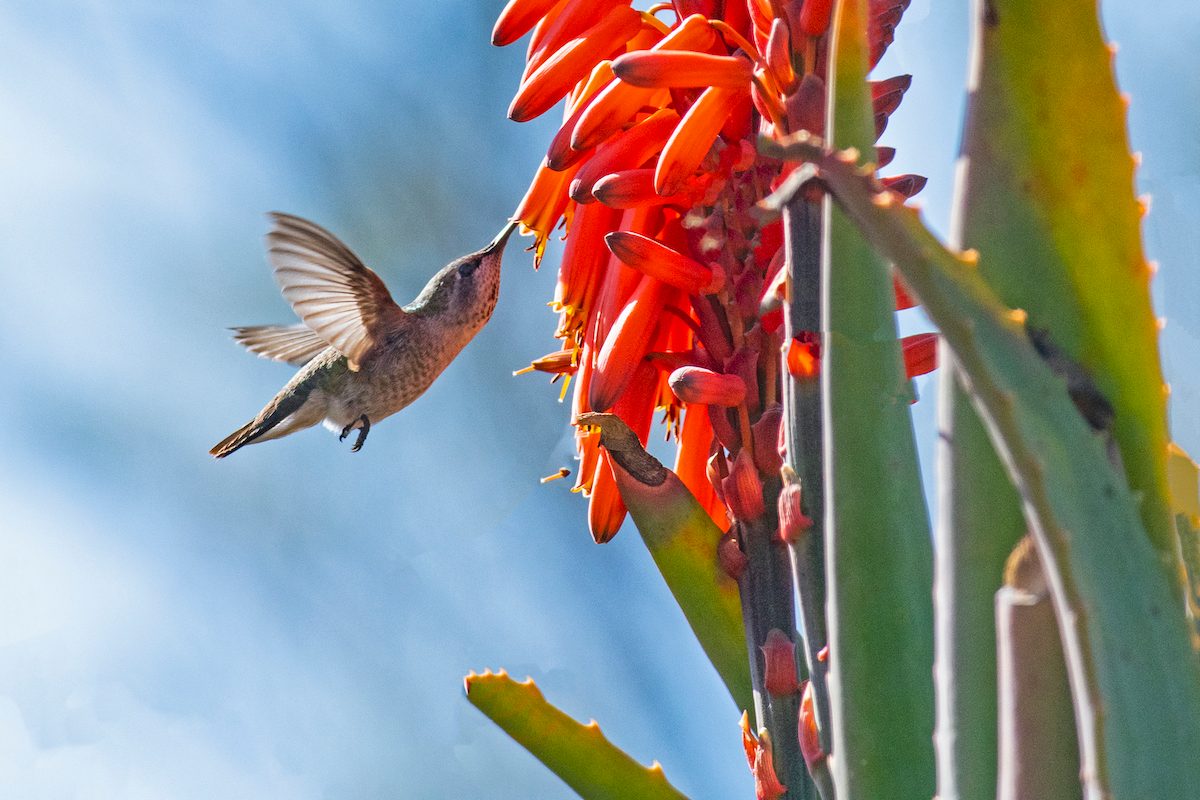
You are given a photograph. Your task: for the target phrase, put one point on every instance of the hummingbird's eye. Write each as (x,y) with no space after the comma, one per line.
(467,267)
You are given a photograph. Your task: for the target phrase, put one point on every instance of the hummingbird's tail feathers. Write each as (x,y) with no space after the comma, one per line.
(291,344)
(234,441)
(282,409)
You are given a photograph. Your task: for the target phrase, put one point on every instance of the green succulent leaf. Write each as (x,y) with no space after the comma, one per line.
(1184,477)
(682,539)
(579,754)
(1048,201)
(878,551)
(1134,676)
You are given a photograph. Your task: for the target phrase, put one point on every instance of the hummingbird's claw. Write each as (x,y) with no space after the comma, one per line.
(362,432)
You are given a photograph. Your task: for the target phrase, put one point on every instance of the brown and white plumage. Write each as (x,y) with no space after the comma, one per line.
(334,293)
(291,344)
(363,357)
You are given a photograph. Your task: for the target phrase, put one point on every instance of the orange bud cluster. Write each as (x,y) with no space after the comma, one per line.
(670,290)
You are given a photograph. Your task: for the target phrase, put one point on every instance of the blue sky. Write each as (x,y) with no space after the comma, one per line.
(295,621)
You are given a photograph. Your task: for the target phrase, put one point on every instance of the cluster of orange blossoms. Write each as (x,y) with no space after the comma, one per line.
(669,290)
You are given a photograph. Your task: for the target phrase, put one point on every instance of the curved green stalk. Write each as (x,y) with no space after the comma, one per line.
(579,754)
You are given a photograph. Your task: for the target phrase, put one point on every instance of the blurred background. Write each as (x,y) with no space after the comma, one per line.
(295,622)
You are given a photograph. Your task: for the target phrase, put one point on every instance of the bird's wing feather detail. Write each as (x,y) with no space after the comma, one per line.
(291,344)
(334,293)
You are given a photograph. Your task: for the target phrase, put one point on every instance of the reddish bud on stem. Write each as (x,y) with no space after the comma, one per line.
(743,489)
(793,522)
(810,740)
(700,385)
(779,664)
(730,557)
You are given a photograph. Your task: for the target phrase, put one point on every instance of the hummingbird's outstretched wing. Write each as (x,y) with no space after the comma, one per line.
(291,344)
(334,293)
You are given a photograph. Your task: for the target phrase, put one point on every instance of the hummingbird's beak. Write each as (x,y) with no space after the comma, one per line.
(502,237)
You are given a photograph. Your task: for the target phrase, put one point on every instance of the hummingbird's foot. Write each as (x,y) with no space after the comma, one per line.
(365,426)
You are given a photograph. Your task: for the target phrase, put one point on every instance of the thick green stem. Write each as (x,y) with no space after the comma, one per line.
(802,421)
(766,593)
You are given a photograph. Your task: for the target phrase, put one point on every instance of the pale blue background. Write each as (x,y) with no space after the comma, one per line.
(295,622)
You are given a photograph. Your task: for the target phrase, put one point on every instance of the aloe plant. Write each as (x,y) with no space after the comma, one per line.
(734,259)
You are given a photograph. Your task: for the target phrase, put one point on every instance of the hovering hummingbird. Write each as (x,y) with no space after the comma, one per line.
(363,356)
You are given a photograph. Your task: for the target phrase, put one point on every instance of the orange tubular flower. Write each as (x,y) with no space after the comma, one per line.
(560,155)
(661,69)
(634,188)
(626,344)
(584,258)
(574,20)
(810,740)
(693,138)
(612,109)
(624,151)
(814,16)
(518,18)
(666,271)
(543,206)
(779,56)
(654,258)
(903,300)
(606,511)
(695,444)
(573,62)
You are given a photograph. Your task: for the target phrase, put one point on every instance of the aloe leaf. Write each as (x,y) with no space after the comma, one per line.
(682,539)
(1134,679)
(878,550)
(1184,478)
(579,754)
(1036,720)
(1048,201)
(979,522)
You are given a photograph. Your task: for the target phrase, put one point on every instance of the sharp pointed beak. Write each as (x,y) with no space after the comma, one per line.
(502,237)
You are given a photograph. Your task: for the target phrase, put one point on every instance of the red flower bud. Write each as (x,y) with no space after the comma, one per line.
(743,489)
(906,185)
(793,522)
(810,740)
(730,557)
(700,385)
(779,664)
(766,440)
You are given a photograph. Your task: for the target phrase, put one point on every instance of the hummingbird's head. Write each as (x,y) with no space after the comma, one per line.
(464,292)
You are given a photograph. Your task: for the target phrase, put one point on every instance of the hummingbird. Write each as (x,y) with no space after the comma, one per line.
(363,357)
